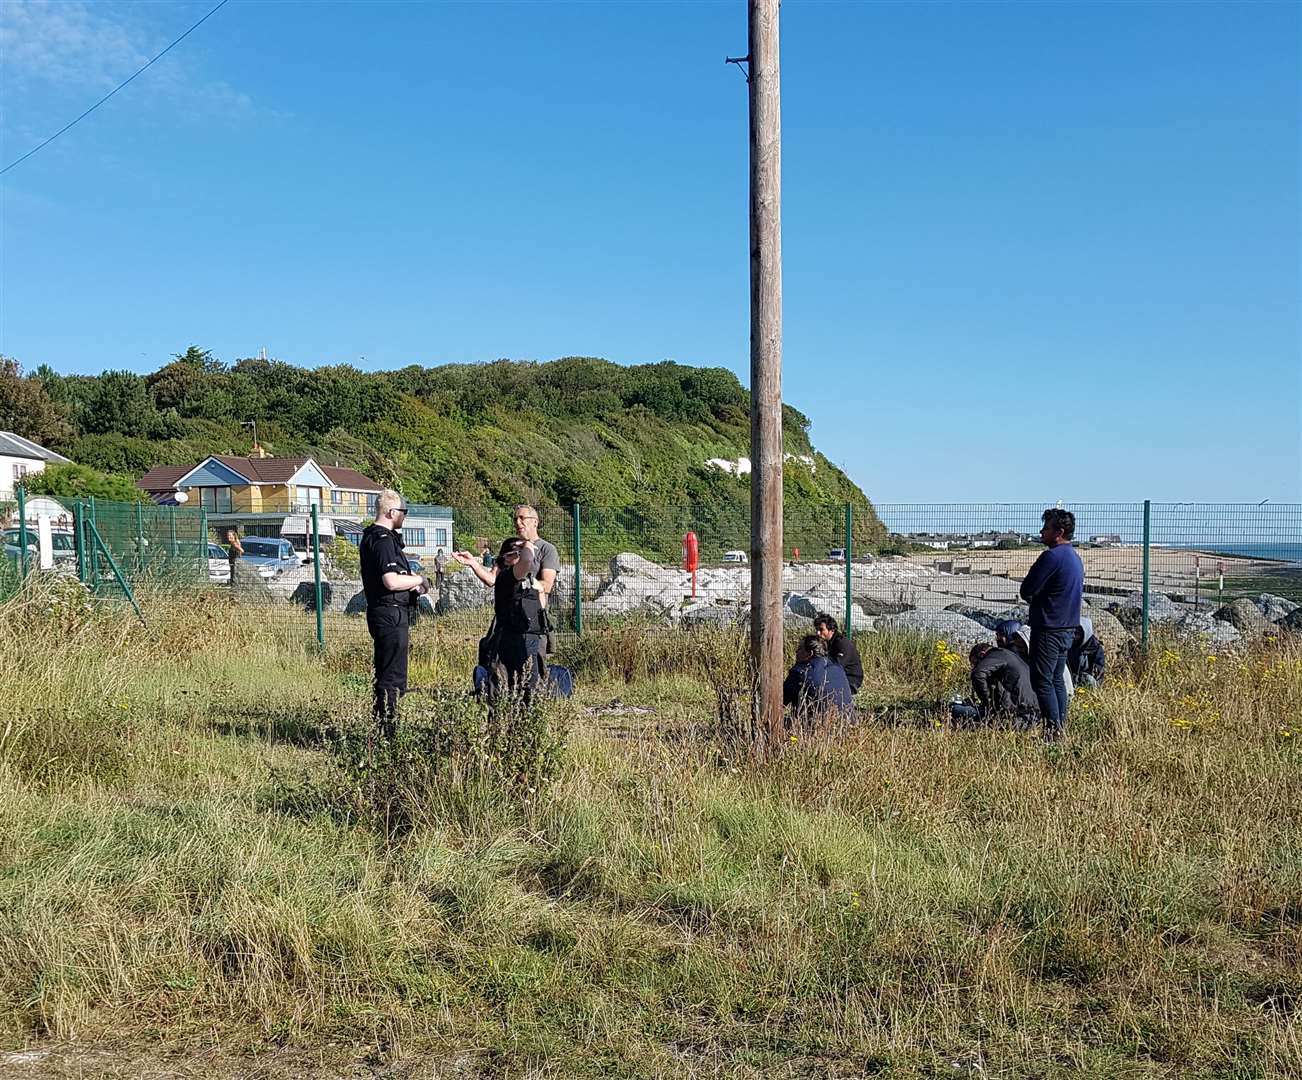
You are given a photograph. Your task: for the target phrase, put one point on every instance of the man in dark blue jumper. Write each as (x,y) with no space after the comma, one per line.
(816,688)
(1053,588)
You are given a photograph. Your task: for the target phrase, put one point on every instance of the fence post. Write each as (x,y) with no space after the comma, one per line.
(316,577)
(140,537)
(849,576)
(79,538)
(578,571)
(22,530)
(171,532)
(203,543)
(1143,621)
(94,555)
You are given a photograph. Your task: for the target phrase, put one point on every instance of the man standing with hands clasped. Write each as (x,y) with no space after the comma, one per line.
(1053,588)
(391,592)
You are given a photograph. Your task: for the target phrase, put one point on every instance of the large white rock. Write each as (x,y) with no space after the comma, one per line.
(1203,625)
(1274,607)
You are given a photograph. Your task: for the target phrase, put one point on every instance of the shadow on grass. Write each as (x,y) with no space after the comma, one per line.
(290,725)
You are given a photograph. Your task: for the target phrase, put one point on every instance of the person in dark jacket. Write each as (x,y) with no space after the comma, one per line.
(816,688)
(514,648)
(391,591)
(1053,588)
(1001,683)
(1086,659)
(840,650)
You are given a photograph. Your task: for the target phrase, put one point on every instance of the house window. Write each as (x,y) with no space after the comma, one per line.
(413,537)
(215,499)
(441,537)
(306,497)
(20,470)
(370,504)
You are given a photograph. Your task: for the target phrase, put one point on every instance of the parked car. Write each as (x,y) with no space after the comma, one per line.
(735,557)
(62,540)
(219,568)
(269,556)
(837,555)
(413,564)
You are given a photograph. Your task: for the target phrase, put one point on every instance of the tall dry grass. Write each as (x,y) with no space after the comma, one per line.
(897,901)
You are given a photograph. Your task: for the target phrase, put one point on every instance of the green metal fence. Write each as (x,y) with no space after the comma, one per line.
(938,568)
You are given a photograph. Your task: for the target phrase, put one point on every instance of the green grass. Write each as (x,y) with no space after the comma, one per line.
(898,900)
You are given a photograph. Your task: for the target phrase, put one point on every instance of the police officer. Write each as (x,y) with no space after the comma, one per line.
(391,593)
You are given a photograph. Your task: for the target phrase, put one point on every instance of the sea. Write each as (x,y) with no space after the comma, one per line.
(1286,552)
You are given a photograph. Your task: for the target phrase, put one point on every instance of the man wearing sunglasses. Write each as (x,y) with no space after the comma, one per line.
(391,593)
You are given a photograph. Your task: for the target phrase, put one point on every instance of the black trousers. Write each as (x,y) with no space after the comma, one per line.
(390,629)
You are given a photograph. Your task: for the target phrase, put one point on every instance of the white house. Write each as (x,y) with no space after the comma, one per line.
(21,457)
(426,530)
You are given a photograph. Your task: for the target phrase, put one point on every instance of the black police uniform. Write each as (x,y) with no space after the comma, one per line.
(388,618)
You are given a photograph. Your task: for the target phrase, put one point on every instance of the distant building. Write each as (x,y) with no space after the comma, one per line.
(1106,538)
(20,458)
(270,496)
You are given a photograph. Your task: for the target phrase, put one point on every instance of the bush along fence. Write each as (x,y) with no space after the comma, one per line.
(949,570)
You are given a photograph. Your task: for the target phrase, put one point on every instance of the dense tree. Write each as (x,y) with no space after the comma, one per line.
(27,410)
(120,403)
(630,443)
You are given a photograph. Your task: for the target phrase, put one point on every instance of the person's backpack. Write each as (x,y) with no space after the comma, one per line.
(560,681)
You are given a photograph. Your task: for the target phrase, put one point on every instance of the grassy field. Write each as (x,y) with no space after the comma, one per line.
(202,871)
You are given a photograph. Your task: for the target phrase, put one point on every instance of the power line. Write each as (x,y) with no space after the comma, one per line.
(105,98)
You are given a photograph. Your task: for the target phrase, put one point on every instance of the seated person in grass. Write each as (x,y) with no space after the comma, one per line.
(816,688)
(1006,635)
(840,650)
(1020,643)
(1085,658)
(1001,683)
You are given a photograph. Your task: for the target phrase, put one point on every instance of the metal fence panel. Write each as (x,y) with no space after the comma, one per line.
(620,563)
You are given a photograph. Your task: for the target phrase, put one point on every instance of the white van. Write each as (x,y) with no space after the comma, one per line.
(735,557)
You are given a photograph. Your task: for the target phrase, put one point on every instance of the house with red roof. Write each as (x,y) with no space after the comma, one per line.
(272,496)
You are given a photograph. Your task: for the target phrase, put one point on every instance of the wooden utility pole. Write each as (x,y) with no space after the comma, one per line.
(766,367)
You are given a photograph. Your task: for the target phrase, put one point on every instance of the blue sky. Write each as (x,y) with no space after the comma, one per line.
(1032,251)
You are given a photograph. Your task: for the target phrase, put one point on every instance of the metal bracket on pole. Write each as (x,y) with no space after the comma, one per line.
(739,60)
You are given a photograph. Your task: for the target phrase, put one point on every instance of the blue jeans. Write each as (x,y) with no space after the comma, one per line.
(1049,650)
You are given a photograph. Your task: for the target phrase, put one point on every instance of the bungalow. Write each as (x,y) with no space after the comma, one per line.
(21,457)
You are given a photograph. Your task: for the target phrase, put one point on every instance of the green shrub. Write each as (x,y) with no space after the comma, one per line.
(452,755)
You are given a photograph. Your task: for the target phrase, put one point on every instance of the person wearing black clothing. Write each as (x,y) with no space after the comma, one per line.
(1001,681)
(513,650)
(1085,659)
(234,551)
(840,650)
(391,592)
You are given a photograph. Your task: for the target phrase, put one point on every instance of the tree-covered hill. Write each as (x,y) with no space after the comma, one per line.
(631,443)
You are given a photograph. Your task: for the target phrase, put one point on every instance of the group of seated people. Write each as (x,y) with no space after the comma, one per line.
(828,673)
(1001,675)
(826,676)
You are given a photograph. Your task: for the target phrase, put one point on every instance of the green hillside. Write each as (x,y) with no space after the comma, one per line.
(630,443)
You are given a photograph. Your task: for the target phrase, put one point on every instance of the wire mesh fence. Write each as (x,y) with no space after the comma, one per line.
(927,568)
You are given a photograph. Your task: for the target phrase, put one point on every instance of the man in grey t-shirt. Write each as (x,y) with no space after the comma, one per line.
(547,559)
